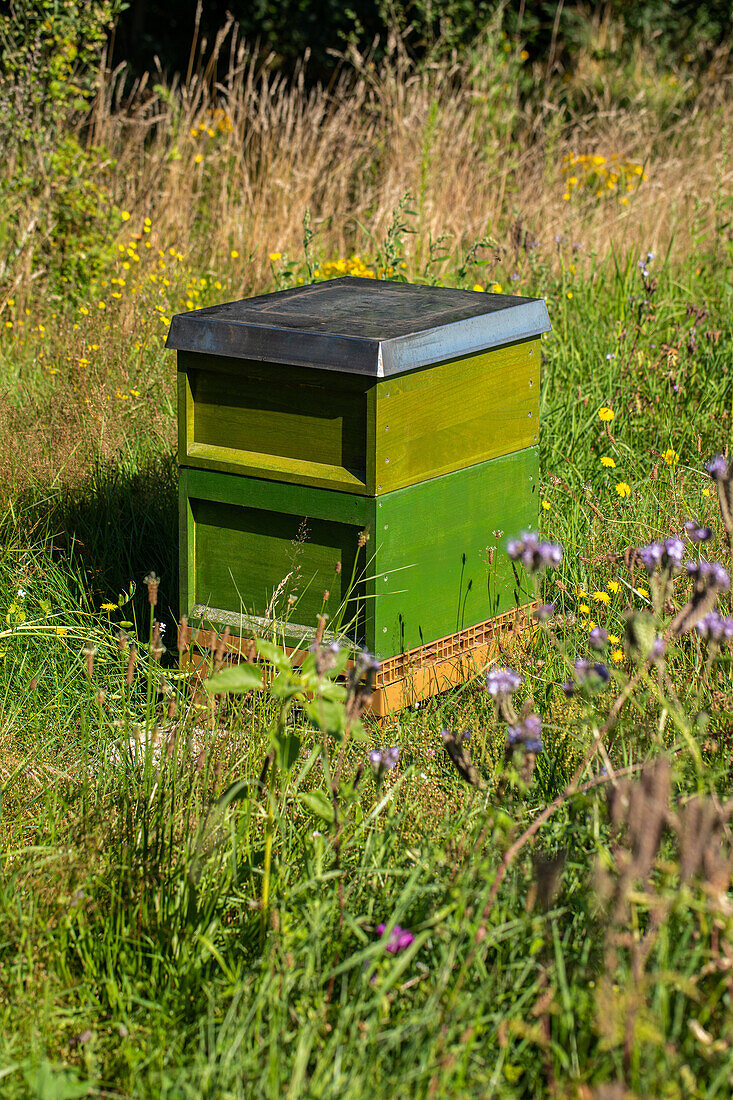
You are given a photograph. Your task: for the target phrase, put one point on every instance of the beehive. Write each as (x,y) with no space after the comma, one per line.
(311,415)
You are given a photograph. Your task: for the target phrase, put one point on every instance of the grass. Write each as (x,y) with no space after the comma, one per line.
(134,958)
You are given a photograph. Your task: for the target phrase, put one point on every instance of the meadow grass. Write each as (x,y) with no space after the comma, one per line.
(136,819)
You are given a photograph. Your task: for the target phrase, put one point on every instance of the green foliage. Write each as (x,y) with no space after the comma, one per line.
(49,52)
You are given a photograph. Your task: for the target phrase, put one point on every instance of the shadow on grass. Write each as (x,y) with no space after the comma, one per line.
(113,527)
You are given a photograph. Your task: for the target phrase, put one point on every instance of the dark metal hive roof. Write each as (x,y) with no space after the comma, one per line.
(360,326)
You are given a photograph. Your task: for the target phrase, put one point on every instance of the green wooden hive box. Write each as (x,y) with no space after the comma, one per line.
(311,415)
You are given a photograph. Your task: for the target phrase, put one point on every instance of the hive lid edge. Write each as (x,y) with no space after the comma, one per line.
(522,322)
(262,343)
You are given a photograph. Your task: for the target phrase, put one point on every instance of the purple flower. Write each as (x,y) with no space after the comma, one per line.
(502,682)
(696,533)
(709,573)
(533,554)
(527,734)
(715,627)
(399,938)
(588,674)
(384,760)
(514,276)
(598,638)
(717,468)
(544,612)
(662,555)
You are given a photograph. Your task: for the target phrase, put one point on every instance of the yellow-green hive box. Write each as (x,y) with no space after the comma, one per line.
(308,416)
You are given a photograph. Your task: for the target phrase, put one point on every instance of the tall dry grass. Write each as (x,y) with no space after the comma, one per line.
(479,145)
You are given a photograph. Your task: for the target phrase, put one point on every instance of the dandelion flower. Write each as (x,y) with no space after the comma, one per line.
(614,640)
(580,591)
(234,254)
(495,288)
(478,288)
(608,462)
(617,656)
(606,414)
(602,597)
(524,55)
(623,489)
(546,505)
(584,609)
(671,457)
(62,630)
(125,215)
(108,607)
(275,256)
(613,586)
(570,294)
(643,592)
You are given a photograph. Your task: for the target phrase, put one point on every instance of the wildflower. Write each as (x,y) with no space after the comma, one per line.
(399,938)
(587,674)
(709,573)
(696,533)
(527,734)
(502,682)
(384,760)
(623,489)
(602,597)
(613,639)
(663,555)
(152,583)
(613,586)
(606,414)
(543,612)
(718,468)
(671,457)
(580,591)
(125,215)
(524,56)
(234,254)
(275,256)
(610,355)
(495,288)
(617,655)
(608,462)
(715,627)
(533,554)
(598,638)
(62,630)
(325,656)
(546,505)
(642,592)
(108,607)
(584,609)
(22,593)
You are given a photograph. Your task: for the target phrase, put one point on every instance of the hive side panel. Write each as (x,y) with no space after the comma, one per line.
(276,421)
(261,551)
(441,551)
(456,414)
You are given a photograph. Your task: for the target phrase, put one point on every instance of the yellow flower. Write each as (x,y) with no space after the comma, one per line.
(61,630)
(613,586)
(602,597)
(101,305)
(135,393)
(671,457)
(623,489)
(495,288)
(125,215)
(584,609)
(108,607)
(275,256)
(524,55)
(590,625)
(617,655)
(234,254)
(643,591)
(478,288)
(570,294)
(546,505)
(606,414)
(198,158)
(580,591)
(608,462)
(706,492)
(613,639)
